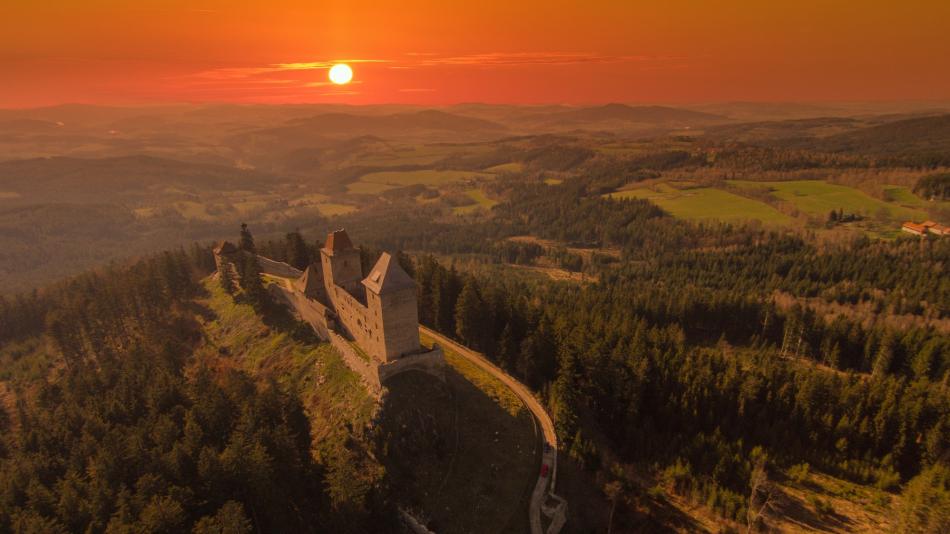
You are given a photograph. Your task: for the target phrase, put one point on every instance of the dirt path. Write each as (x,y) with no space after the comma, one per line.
(549,437)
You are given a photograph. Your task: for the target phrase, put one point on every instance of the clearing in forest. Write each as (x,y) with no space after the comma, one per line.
(705,203)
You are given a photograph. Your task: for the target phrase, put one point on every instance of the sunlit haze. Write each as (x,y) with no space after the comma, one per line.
(433,52)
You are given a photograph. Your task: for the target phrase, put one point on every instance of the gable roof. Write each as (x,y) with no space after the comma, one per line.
(338,240)
(225,248)
(387,276)
(311,282)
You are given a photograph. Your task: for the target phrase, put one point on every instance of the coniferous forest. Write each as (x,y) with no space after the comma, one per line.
(712,356)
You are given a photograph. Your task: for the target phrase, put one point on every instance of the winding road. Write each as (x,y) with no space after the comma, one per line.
(549,437)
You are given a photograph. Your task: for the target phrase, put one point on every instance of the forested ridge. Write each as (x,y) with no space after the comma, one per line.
(129,431)
(676,356)
(680,353)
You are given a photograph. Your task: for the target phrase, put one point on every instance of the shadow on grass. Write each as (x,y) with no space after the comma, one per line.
(455,457)
(794,508)
(276,315)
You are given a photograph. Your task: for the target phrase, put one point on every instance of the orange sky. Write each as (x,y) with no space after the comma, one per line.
(439,52)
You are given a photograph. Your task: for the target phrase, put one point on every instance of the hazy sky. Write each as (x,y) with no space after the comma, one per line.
(446,51)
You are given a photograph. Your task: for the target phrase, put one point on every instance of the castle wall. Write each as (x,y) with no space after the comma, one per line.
(277,268)
(367,370)
(358,321)
(385,327)
(431,362)
(399,318)
(310,311)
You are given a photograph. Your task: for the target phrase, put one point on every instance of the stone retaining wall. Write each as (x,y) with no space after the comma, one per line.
(278,268)
(431,362)
(356,362)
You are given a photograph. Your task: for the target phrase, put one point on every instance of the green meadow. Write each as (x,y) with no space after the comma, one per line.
(481,201)
(506,168)
(705,203)
(424,177)
(818,198)
(329,209)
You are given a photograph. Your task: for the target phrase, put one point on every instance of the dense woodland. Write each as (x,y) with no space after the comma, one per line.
(680,354)
(133,434)
(702,353)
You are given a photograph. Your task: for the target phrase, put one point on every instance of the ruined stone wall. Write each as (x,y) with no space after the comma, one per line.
(431,362)
(367,370)
(310,311)
(278,268)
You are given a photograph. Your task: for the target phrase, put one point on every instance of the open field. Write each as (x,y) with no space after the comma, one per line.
(706,203)
(334,396)
(481,202)
(309,199)
(506,167)
(818,198)
(905,197)
(424,177)
(368,188)
(330,209)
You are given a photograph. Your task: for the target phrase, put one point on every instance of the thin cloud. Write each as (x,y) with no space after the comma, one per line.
(492,59)
(238,73)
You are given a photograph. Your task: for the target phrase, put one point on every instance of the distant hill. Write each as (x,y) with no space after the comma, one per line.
(923,141)
(631,114)
(784,129)
(11,128)
(319,129)
(77,179)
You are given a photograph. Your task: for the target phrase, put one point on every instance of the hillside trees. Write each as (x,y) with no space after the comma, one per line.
(298,253)
(934,187)
(640,364)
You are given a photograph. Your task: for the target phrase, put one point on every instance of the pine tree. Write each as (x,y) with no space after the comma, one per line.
(298,254)
(471,315)
(226,277)
(247,240)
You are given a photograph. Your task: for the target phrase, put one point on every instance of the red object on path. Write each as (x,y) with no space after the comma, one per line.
(544,470)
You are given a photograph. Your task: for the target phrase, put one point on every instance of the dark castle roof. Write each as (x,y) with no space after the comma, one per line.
(337,241)
(387,276)
(225,248)
(311,282)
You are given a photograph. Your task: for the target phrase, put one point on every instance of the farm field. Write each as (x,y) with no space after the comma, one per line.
(329,209)
(481,201)
(706,203)
(368,188)
(424,177)
(905,197)
(818,198)
(506,167)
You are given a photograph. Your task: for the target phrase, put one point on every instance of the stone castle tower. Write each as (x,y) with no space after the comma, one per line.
(378,311)
(373,321)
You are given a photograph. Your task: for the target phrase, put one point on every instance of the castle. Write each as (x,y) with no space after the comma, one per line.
(373,321)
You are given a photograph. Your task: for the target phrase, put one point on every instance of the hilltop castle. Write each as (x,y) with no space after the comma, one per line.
(373,320)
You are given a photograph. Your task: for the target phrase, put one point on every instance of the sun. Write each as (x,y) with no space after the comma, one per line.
(341,74)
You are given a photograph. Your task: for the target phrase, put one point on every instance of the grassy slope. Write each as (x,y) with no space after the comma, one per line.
(706,203)
(475,480)
(332,394)
(463,453)
(425,177)
(818,198)
(481,202)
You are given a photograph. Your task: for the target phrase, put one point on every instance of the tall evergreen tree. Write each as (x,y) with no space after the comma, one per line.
(246,242)
(471,315)
(298,254)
